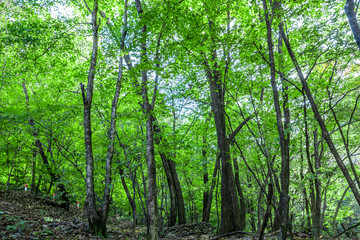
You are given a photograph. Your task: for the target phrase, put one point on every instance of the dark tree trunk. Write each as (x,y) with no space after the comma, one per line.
(206,212)
(93,215)
(128,195)
(65,203)
(268,211)
(150,154)
(354,24)
(284,140)
(317,207)
(230,210)
(241,196)
(173,207)
(178,192)
(307,211)
(205,178)
(177,207)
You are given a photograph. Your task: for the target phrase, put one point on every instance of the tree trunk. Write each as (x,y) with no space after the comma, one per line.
(91,210)
(317,207)
(128,195)
(150,155)
(173,207)
(176,196)
(308,220)
(206,212)
(205,178)
(241,196)
(230,210)
(54,177)
(284,140)
(351,15)
(268,211)
(178,192)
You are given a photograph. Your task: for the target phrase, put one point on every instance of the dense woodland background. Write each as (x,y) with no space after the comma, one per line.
(240,113)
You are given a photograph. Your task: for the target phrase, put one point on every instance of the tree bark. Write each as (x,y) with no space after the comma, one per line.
(150,155)
(230,210)
(351,15)
(93,215)
(173,205)
(284,140)
(178,192)
(205,177)
(128,195)
(268,211)
(241,196)
(177,207)
(206,212)
(317,207)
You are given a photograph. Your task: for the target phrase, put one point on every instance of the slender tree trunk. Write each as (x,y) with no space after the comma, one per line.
(268,211)
(173,207)
(205,178)
(93,215)
(206,212)
(241,196)
(178,192)
(259,209)
(317,207)
(308,220)
(54,177)
(284,140)
(150,155)
(128,195)
(177,201)
(152,195)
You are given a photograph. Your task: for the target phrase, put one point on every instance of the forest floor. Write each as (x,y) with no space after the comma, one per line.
(27,216)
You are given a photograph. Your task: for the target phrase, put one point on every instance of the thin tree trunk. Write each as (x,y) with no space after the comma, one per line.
(206,212)
(54,178)
(176,196)
(128,195)
(93,215)
(338,208)
(268,211)
(284,140)
(205,178)
(317,207)
(173,207)
(241,196)
(308,219)
(178,192)
(150,155)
